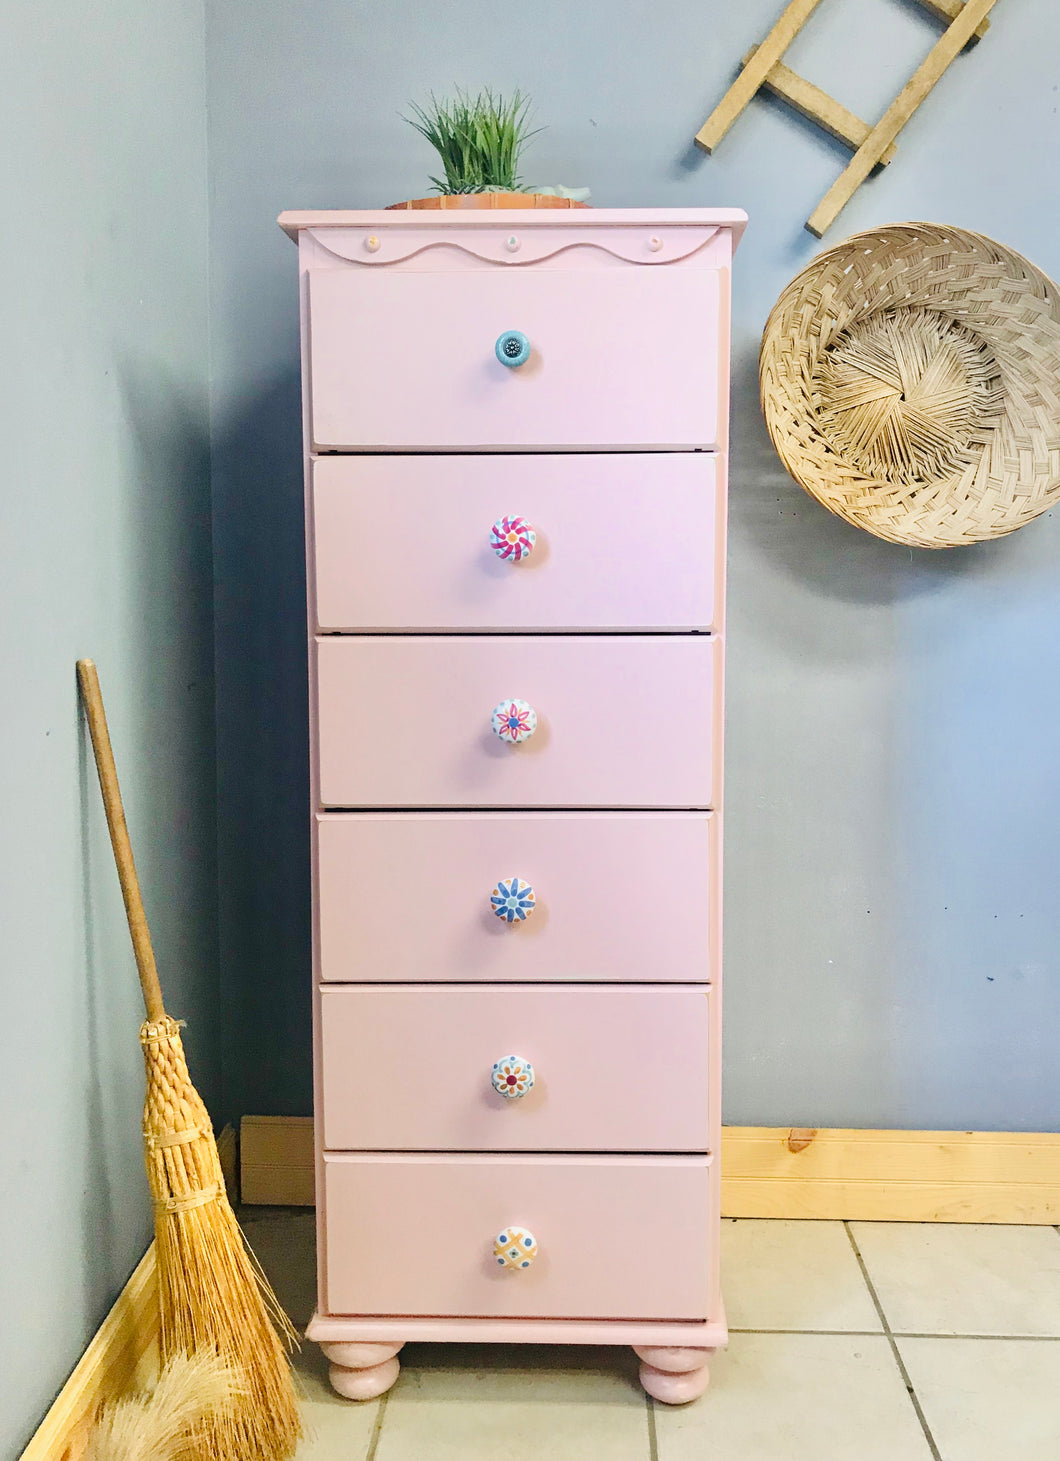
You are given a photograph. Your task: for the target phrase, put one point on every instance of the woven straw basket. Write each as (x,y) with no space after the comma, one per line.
(910,380)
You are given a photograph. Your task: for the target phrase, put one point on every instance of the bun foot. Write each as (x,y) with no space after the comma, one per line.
(362,1371)
(674,1375)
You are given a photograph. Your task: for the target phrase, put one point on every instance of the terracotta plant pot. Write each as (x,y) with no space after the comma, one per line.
(491,200)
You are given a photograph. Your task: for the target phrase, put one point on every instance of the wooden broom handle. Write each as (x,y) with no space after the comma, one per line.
(92,697)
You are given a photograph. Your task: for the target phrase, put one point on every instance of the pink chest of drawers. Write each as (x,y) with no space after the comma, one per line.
(517,946)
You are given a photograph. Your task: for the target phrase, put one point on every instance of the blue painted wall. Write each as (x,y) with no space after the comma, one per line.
(105,532)
(893,837)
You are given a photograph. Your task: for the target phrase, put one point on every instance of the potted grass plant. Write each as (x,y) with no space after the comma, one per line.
(480,140)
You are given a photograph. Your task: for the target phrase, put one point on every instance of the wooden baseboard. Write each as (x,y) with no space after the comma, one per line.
(122,1355)
(896,1176)
(775,1172)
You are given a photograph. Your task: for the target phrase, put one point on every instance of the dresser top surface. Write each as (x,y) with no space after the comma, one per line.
(578,218)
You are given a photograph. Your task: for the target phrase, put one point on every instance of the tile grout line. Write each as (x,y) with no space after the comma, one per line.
(653,1436)
(830,1333)
(921,1417)
(979,1338)
(377,1428)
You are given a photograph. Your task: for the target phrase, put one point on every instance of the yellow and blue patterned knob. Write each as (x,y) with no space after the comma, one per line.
(514,721)
(515,1248)
(513,900)
(512,348)
(513,1077)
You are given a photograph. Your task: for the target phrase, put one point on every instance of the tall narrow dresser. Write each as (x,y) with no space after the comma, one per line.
(515,446)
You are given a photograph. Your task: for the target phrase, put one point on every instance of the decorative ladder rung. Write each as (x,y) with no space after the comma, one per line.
(873,145)
(816,104)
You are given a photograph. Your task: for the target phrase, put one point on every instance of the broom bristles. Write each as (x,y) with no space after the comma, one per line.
(214,1296)
(160,1427)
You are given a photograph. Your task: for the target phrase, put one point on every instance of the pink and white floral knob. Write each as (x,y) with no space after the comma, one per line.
(512,538)
(514,721)
(515,1248)
(513,1077)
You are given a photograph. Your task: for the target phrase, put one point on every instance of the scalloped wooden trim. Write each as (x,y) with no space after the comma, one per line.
(630,245)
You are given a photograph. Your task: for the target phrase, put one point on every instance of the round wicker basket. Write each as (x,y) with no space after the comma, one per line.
(910,380)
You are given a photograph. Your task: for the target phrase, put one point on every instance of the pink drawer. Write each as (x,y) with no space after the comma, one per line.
(621,358)
(618,1237)
(408,1067)
(623,542)
(612,890)
(623,721)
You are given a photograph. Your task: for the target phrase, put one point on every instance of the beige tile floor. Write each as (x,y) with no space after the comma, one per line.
(850,1342)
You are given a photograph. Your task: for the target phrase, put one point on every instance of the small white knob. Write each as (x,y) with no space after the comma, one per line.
(513,900)
(371,243)
(515,1248)
(514,721)
(511,243)
(655,243)
(512,1077)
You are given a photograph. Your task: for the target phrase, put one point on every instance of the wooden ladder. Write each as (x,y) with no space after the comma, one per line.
(873,146)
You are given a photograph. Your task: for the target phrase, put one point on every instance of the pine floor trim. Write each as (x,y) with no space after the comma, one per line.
(780,1172)
(121,1356)
(895,1176)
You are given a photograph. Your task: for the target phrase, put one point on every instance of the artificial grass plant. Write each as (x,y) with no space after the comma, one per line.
(479,139)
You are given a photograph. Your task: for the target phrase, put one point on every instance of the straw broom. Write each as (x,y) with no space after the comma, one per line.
(214,1296)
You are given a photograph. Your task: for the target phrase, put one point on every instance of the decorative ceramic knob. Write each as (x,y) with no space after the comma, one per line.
(513,900)
(515,1248)
(512,538)
(513,348)
(513,1077)
(514,721)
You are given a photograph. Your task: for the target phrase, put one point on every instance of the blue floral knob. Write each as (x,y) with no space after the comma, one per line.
(513,348)
(512,538)
(513,1077)
(513,900)
(514,721)
(515,1248)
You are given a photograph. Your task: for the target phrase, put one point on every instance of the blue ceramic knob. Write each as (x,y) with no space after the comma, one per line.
(513,900)
(514,721)
(513,1077)
(515,1248)
(513,348)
